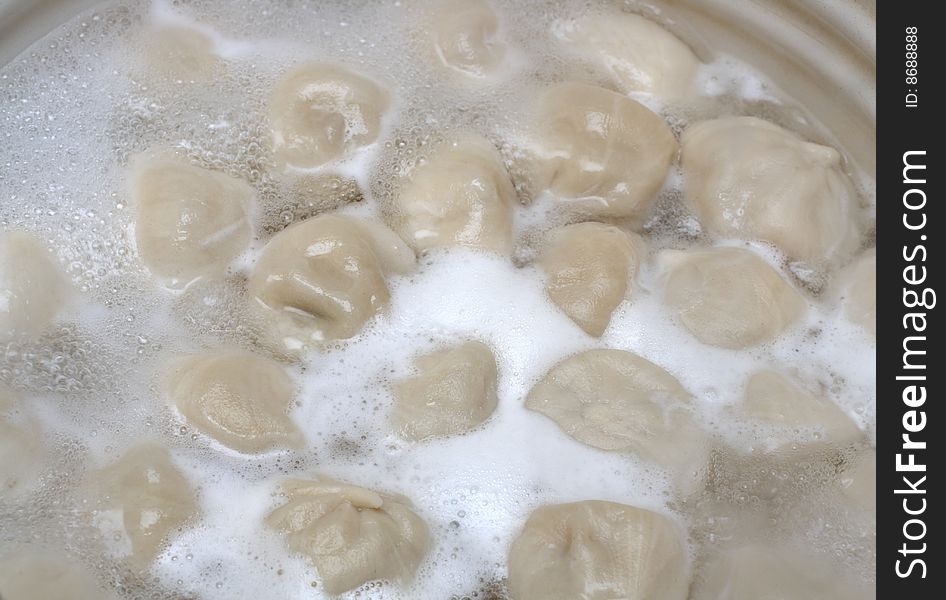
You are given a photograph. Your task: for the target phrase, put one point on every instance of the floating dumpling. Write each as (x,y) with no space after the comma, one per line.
(752,179)
(595,550)
(321,112)
(323,279)
(776,401)
(32,287)
(616,400)
(21,448)
(191,222)
(142,500)
(454,391)
(180,53)
(640,55)
(589,267)
(461,196)
(47,576)
(601,151)
(729,297)
(351,535)
(464,36)
(860,292)
(239,399)
(859,482)
(755,572)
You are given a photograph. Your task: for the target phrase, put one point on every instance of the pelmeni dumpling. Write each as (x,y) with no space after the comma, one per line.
(239,399)
(589,269)
(858,482)
(756,572)
(48,576)
(729,297)
(142,500)
(461,196)
(323,278)
(351,534)
(860,292)
(191,222)
(752,179)
(454,391)
(32,287)
(776,401)
(321,112)
(21,448)
(605,153)
(639,54)
(464,37)
(616,400)
(179,53)
(595,550)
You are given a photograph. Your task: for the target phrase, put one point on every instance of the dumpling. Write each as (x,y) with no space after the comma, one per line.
(191,222)
(351,535)
(729,297)
(323,279)
(773,399)
(616,400)
(21,448)
(751,179)
(145,498)
(32,287)
(454,391)
(179,53)
(321,112)
(603,152)
(755,572)
(461,196)
(860,292)
(464,37)
(595,550)
(239,399)
(47,576)
(859,482)
(589,268)
(640,55)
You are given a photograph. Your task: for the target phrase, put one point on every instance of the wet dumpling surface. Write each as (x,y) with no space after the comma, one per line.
(191,222)
(860,292)
(751,179)
(729,297)
(239,399)
(32,287)
(48,576)
(323,279)
(606,154)
(461,196)
(589,269)
(640,55)
(351,535)
(596,550)
(145,498)
(321,112)
(21,448)
(453,391)
(464,34)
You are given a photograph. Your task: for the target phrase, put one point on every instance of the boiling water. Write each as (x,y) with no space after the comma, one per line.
(77,105)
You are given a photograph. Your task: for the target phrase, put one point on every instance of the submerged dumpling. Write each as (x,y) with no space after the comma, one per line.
(859,482)
(142,500)
(461,196)
(32,287)
(239,399)
(323,279)
(756,572)
(454,391)
(729,297)
(773,399)
(179,53)
(602,151)
(47,576)
(351,534)
(595,550)
(590,267)
(860,292)
(191,222)
(321,112)
(752,179)
(639,54)
(464,37)
(21,448)
(616,400)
